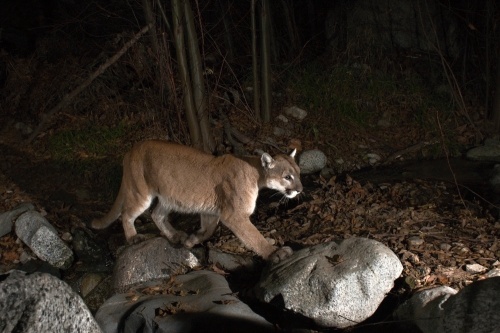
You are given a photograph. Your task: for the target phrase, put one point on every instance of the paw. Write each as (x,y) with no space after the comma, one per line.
(138,238)
(280,254)
(191,241)
(177,238)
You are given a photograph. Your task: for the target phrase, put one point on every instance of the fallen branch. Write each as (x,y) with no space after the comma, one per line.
(412,149)
(45,118)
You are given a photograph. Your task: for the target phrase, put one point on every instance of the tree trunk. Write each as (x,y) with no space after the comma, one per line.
(228,37)
(495,111)
(191,114)
(255,66)
(150,19)
(199,95)
(266,62)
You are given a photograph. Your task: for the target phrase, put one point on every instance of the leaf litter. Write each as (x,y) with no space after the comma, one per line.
(438,235)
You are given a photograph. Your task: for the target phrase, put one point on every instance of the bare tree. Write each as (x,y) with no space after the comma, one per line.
(191,114)
(265,25)
(255,65)
(196,71)
(261,71)
(191,76)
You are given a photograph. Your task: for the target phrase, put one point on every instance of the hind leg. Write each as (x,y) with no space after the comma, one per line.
(160,218)
(128,219)
(132,209)
(207,228)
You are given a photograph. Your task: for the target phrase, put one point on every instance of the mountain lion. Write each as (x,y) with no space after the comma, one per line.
(187,180)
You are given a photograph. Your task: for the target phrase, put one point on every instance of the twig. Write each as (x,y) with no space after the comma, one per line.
(412,149)
(445,151)
(45,118)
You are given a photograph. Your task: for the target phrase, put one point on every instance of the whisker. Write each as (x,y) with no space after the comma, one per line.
(273,194)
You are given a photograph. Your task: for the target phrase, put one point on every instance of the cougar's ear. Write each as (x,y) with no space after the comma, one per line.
(267,161)
(292,154)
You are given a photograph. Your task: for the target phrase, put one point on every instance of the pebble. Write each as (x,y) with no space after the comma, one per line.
(475,268)
(415,241)
(445,246)
(282,118)
(272,219)
(295,112)
(67,237)
(493,273)
(89,282)
(372,158)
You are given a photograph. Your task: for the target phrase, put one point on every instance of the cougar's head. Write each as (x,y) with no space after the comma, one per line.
(282,174)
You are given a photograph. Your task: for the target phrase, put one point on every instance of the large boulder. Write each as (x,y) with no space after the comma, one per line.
(40,302)
(151,260)
(200,301)
(490,151)
(42,238)
(474,309)
(336,284)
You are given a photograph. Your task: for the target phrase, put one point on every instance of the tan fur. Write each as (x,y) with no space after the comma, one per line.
(187,180)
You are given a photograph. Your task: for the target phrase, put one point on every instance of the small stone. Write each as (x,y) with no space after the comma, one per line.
(464,250)
(415,241)
(67,237)
(339,161)
(312,161)
(272,219)
(89,282)
(295,112)
(25,257)
(282,118)
(445,246)
(493,273)
(475,268)
(372,158)
(327,173)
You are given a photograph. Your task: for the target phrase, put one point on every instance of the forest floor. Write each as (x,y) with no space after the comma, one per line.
(443,228)
(438,232)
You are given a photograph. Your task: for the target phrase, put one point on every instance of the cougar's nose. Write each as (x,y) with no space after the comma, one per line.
(299,188)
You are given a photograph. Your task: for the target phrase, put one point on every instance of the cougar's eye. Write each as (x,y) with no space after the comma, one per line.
(289,177)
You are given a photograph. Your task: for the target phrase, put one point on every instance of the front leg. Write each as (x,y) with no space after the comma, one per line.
(251,237)
(160,218)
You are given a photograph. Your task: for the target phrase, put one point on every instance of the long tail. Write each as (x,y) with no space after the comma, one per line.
(112,215)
